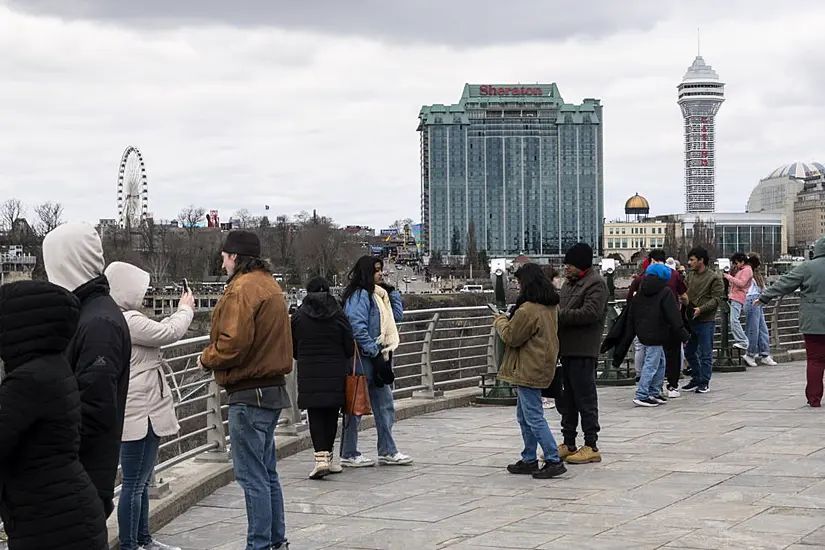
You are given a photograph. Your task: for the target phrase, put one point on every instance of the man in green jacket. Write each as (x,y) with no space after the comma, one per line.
(705,292)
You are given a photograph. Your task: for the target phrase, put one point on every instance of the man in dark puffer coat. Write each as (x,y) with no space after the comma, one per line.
(47,500)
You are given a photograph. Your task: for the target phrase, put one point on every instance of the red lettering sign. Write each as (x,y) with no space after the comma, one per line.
(487,90)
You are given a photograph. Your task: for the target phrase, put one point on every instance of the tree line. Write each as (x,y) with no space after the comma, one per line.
(298,247)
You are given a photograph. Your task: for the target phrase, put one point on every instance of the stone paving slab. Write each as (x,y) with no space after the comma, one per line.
(742,467)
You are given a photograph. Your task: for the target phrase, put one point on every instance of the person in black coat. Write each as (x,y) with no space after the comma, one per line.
(324,347)
(654,318)
(99,353)
(47,500)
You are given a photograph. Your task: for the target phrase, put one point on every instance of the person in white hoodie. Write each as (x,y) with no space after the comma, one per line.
(99,352)
(150,409)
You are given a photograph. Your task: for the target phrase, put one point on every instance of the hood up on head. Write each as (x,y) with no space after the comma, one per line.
(36,319)
(819,247)
(652,284)
(128,285)
(73,255)
(320,305)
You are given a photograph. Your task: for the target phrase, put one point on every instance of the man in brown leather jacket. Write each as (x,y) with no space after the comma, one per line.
(582,313)
(250,352)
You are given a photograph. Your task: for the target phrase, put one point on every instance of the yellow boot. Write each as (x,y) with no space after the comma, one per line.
(584,455)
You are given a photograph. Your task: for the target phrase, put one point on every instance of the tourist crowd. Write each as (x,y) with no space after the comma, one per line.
(85,388)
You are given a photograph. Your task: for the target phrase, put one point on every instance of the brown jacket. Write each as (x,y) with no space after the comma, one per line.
(251,337)
(532,345)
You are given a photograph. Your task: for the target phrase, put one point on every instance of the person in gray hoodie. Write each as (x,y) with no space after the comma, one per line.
(99,352)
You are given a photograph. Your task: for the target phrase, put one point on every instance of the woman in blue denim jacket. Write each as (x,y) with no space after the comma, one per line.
(373,308)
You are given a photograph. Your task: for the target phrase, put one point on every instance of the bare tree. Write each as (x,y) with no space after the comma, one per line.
(401,224)
(245,219)
(190,217)
(49,217)
(11,211)
(704,236)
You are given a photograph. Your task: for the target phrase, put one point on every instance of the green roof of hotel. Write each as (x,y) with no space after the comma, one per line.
(550,97)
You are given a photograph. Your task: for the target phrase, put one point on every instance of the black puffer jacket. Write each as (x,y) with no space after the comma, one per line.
(654,315)
(99,355)
(323,345)
(47,499)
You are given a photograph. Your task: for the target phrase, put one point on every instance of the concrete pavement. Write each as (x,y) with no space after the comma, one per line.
(742,467)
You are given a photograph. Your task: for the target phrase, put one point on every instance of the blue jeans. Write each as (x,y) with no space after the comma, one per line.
(739,335)
(639,356)
(653,373)
(252,434)
(534,428)
(137,459)
(699,352)
(758,340)
(383,408)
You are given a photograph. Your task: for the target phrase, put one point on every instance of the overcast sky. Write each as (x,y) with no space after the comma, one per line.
(314,104)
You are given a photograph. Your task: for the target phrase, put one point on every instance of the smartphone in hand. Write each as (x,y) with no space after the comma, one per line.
(494,308)
(185,286)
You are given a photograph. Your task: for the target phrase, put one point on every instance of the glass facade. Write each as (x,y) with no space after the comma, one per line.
(514,169)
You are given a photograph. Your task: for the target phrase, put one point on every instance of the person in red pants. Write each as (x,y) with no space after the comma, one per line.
(809,278)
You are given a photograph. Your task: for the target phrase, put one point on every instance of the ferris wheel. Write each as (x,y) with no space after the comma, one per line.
(132,189)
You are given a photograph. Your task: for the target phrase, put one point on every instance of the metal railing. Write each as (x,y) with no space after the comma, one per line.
(440,349)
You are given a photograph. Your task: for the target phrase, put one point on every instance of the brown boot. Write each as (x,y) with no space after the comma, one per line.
(564,451)
(585,455)
(321,465)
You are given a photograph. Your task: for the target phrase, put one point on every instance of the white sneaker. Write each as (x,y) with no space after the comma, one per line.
(335,465)
(768,360)
(749,361)
(673,394)
(546,403)
(740,346)
(398,459)
(155,545)
(359,461)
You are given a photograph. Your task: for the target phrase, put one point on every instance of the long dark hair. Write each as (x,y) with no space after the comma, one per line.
(245,264)
(754,261)
(535,286)
(362,277)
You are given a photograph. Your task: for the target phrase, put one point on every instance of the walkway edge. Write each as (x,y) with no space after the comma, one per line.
(193,481)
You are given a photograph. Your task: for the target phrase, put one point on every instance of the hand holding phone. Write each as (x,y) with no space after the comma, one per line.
(494,308)
(186,286)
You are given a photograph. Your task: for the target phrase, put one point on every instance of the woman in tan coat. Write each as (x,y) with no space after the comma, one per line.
(530,335)
(150,409)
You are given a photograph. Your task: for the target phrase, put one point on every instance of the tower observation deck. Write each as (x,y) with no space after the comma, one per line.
(700,95)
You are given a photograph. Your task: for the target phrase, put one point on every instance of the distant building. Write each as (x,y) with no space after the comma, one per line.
(700,96)
(514,168)
(777,192)
(741,232)
(638,234)
(809,212)
(362,231)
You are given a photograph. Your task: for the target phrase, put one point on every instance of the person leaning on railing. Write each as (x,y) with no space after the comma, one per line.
(150,409)
(809,278)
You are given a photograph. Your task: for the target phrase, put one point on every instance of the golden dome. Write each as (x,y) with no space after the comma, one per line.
(637,202)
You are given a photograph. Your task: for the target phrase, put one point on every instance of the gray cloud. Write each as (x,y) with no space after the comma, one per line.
(458,22)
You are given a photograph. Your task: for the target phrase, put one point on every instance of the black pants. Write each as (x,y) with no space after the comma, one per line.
(323,425)
(673,362)
(579,398)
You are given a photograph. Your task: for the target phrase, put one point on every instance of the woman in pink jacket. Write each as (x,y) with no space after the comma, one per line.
(740,280)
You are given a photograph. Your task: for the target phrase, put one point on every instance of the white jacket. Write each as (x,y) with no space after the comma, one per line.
(150,398)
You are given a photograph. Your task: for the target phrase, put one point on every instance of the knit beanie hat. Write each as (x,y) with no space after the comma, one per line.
(243,243)
(579,255)
(659,270)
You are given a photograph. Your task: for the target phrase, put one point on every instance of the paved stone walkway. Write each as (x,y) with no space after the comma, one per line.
(741,467)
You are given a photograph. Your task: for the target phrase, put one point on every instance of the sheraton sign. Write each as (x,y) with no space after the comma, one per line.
(487,90)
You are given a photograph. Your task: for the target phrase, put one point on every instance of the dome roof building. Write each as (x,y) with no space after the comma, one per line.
(776,192)
(636,206)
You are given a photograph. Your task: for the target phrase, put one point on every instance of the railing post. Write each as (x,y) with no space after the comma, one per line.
(216,434)
(776,344)
(427,377)
(294,425)
(158,488)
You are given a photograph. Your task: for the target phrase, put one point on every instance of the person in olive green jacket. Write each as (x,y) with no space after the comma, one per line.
(530,335)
